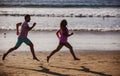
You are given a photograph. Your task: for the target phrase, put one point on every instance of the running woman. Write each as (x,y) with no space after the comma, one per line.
(63,34)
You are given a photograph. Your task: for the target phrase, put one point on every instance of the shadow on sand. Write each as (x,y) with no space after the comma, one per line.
(47,71)
(3,74)
(44,70)
(83,68)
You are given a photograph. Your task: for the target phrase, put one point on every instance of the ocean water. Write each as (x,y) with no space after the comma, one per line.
(95,23)
(61,3)
(100,15)
(101,19)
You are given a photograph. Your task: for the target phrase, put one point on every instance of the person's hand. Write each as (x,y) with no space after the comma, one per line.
(34,24)
(72,33)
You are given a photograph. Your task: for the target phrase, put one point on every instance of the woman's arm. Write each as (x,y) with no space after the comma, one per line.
(70,34)
(67,34)
(57,33)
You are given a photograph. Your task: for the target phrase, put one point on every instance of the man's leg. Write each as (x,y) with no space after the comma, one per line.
(10,50)
(30,44)
(32,51)
(19,42)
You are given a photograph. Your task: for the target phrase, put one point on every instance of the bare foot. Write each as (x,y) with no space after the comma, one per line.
(4,55)
(76,59)
(35,58)
(48,59)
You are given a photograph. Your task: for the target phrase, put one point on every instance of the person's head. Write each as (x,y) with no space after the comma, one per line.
(27,18)
(63,24)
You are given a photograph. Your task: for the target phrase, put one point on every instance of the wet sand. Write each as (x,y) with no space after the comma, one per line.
(81,40)
(99,63)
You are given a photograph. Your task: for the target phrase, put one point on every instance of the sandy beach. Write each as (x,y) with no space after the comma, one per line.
(99,63)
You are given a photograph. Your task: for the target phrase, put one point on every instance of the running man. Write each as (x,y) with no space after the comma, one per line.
(23,37)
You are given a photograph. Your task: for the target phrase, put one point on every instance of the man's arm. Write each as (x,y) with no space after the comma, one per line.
(17,27)
(30,28)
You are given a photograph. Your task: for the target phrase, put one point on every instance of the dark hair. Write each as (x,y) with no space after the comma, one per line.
(63,25)
(27,16)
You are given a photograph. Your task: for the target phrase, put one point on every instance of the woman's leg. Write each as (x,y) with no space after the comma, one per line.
(71,51)
(54,51)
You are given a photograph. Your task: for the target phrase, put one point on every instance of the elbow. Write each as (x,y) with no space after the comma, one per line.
(18,24)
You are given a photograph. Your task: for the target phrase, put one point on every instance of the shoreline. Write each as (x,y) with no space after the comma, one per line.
(75,30)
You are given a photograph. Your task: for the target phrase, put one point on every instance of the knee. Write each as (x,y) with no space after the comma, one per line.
(31,45)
